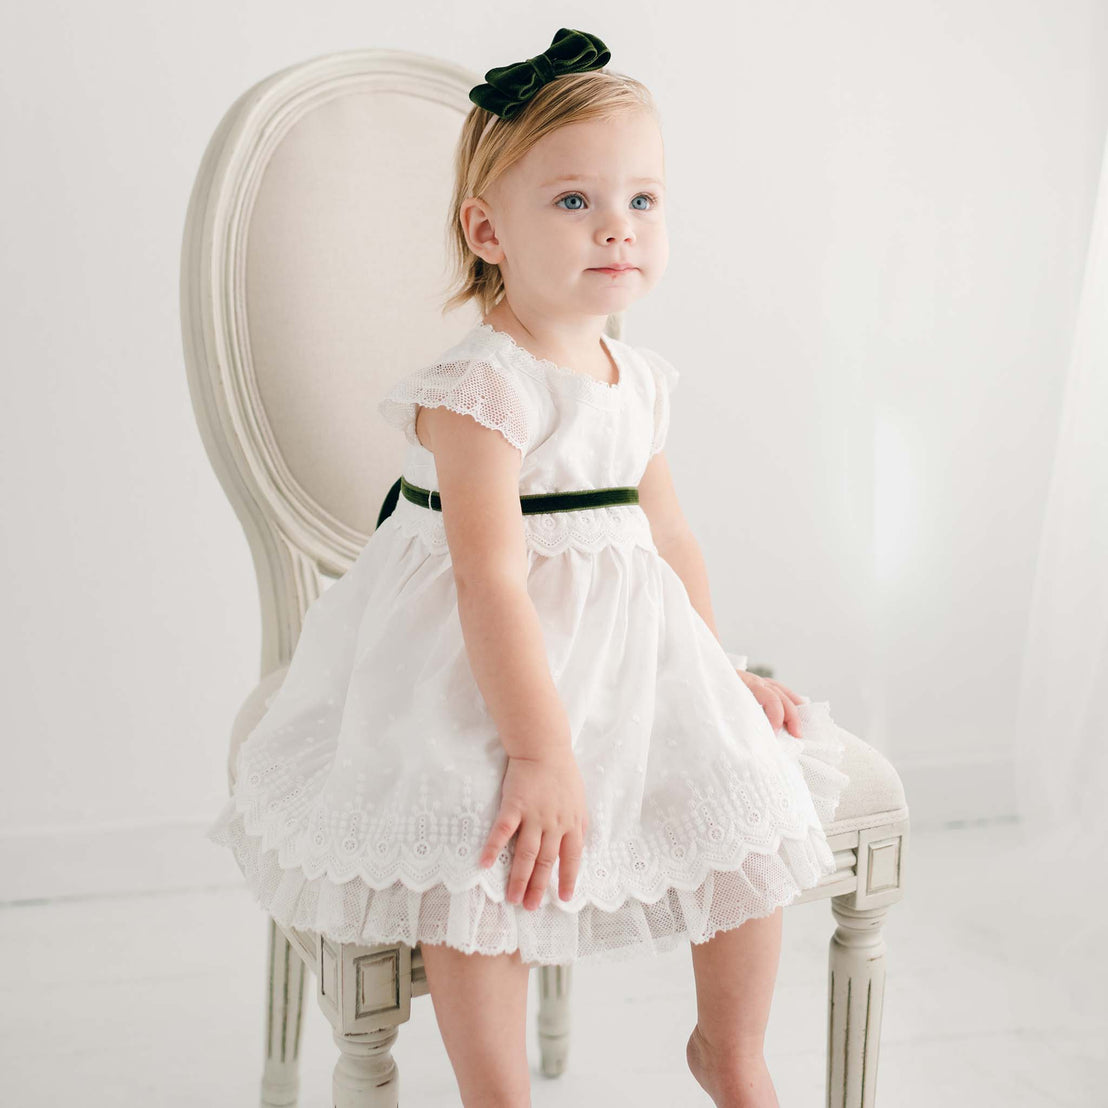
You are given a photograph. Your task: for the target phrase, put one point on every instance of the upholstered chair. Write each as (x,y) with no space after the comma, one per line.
(313,267)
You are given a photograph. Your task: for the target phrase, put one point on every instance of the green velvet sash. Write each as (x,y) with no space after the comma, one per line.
(530,503)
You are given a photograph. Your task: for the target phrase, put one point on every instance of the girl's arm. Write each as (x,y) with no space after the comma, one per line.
(478,478)
(672,535)
(542,799)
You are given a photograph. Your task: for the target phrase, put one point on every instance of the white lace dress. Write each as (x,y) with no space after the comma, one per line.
(366,793)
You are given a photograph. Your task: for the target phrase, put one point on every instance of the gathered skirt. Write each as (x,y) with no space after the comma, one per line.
(364,796)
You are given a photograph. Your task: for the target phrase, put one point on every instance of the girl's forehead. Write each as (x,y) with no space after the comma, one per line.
(605,156)
(629,129)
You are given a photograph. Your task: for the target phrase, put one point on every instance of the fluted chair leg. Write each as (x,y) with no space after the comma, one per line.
(856,989)
(554,988)
(366,1075)
(284,1008)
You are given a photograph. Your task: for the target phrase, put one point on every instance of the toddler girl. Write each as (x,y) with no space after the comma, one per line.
(509,733)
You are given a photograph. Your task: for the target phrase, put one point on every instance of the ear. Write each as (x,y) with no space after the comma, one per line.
(476,218)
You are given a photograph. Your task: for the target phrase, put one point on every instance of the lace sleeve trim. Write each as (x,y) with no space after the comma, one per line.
(665,381)
(474,387)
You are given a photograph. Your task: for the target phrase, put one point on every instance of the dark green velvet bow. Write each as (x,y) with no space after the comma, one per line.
(509,87)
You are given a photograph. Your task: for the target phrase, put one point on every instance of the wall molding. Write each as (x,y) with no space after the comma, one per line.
(45,864)
(954,792)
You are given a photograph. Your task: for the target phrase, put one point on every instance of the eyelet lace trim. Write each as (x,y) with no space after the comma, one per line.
(581,383)
(588,529)
(730,845)
(476,387)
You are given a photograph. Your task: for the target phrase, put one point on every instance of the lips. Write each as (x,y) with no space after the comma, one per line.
(613,268)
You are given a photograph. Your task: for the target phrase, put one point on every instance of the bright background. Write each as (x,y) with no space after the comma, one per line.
(888,301)
(879,219)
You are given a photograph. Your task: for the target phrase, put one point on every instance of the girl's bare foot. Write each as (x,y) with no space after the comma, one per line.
(735,1082)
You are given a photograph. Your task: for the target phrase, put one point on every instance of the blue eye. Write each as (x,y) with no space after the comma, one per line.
(577,196)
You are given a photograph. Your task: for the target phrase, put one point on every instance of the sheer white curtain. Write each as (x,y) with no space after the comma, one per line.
(1062,768)
(1059,913)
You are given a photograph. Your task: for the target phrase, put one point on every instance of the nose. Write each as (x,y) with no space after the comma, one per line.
(620,234)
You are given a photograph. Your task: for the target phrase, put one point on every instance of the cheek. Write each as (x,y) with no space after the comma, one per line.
(657,243)
(555,245)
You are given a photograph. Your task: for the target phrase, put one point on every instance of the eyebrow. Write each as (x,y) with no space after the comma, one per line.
(579,177)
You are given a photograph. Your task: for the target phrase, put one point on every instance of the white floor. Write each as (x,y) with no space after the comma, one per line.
(155,1000)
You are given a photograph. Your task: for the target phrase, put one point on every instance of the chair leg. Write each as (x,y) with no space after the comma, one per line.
(366,1075)
(284,1006)
(554,986)
(856,988)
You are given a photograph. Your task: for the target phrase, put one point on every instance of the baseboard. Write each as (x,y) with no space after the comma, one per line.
(947,793)
(73,862)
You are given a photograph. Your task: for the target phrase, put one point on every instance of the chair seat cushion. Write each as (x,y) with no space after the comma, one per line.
(874,794)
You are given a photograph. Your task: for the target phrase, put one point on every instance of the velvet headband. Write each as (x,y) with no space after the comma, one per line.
(507,88)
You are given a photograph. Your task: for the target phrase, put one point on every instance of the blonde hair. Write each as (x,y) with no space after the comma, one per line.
(489,146)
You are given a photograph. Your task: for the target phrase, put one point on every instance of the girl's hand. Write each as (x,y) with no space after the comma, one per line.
(776,699)
(545,799)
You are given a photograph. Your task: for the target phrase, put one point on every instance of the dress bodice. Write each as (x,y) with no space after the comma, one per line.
(572,430)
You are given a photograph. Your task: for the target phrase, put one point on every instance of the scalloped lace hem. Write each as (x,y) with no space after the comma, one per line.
(477,919)
(471,921)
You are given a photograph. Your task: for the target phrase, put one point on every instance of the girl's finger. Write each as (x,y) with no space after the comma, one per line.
(786,690)
(792,719)
(771,703)
(540,876)
(502,830)
(569,864)
(527,850)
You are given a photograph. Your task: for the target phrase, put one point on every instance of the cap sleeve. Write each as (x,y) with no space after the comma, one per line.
(665,381)
(476,387)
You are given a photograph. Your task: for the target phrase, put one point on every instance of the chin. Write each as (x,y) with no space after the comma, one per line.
(608,306)
(615,299)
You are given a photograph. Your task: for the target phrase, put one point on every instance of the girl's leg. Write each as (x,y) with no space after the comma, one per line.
(480,1004)
(735,972)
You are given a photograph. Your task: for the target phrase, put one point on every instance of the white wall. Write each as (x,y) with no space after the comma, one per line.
(878,220)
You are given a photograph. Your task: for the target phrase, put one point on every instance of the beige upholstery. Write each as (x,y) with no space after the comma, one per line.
(313,264)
